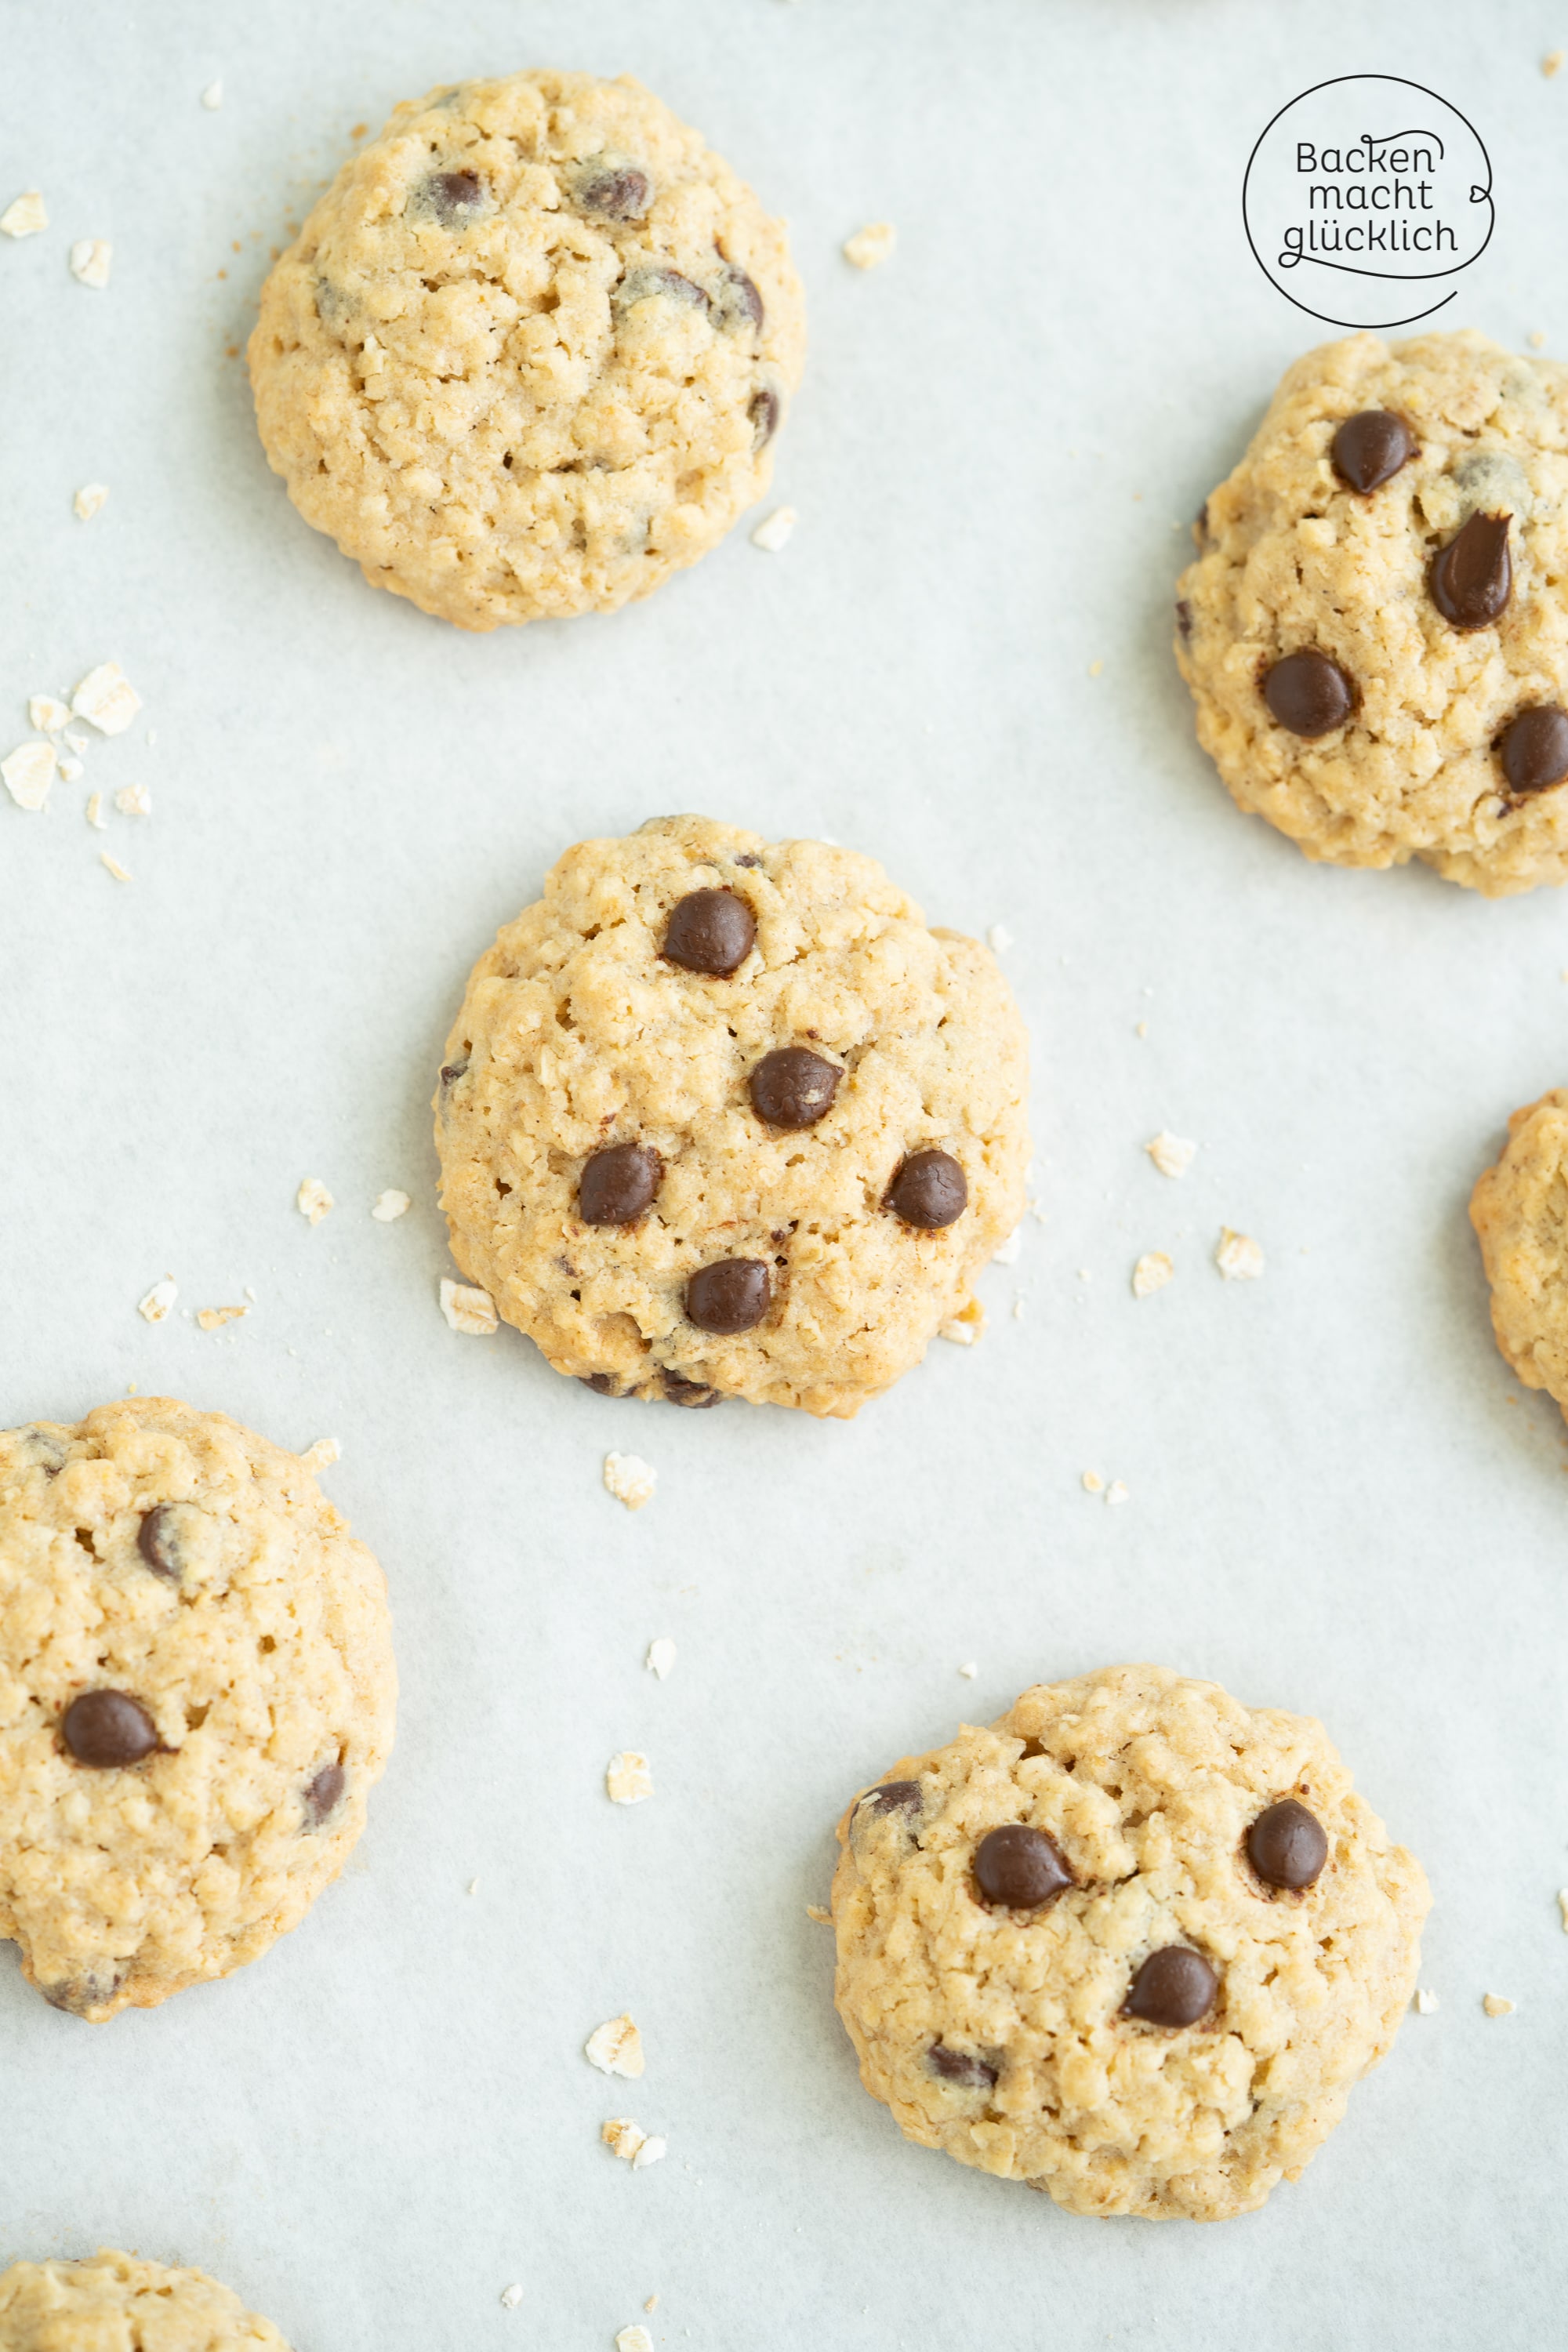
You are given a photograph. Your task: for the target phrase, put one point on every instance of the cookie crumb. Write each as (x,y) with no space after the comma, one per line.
(25,216)
(1562,1906)
(313,1201)
(319,1456)
(90,260)
(95,815)
(1426,2002)
(634,2340)
(1093,1483)
(386,1207)
(616,2047)
(965,1328)
(1536,340)
(1238,1256)
(133,800)
(159,1300)
(998,938)
(212,97)
(1117,1491)
(627,1778)
(114,865)
(1496,2006)
(630,1479)
(1151,1273)
(213,1319)
(870,244)
(467,1309)
(90,500)
(46,713)
(511,2297)
(1172,1155)
(660,1656)
(106,699)
(774,531)
(623,2137)
(1552,63)
(652,2303)
(28,774)
(823,1918)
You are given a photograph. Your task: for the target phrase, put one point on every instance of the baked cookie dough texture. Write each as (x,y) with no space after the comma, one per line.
(195,1572)
(115,2303)
(1295,561)
(578,1034)
(529,353)
(1519,1211)
(999,2034)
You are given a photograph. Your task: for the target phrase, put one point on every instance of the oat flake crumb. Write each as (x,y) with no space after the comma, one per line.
(25,216)
(48,713)
(814,1911)
(1239,1257)
(90,500)
(1562,1906)
(870,244)
(628,2140)
(159,1300)
(616,2047)
(320,1456)
(1426,2002)
(388,1206)
(133,800)
(106,699)
(511,2297)
(1496,2006)
(1008,1255)
(998,938)
(630,1479)
(212,97)
(652,2303)
(213,1319)
(1117,1491)
(774,531)
(114,865)
(969,1670)
(71,772)
(965,1328)
(634,2340)
(90,259)
(312,1200)
(1536,340)
(1151,1273)
(660,1656)
(95,815)
(467,1309)
(1093,1483)
(653,2150)
(628,1777)
(1550,63)
(1172,1154)
(28,772)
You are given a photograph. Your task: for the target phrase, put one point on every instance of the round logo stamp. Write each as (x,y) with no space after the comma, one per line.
(1365,198)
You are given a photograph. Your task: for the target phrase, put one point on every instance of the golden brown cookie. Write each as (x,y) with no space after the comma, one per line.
(116,2303)
(1519,1211)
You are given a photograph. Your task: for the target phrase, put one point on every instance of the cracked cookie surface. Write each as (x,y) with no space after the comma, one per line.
(769,1169)
(1358,672)
(116,2303)
(1023,2037)
(196,1694)
(1520,1210)
(529,353)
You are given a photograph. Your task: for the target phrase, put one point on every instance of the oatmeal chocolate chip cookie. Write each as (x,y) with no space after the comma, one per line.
(116,2303)
(1131,1946)
(1375,631)
(1519,1211)
(723,1116)
(196,1693)
(529,353)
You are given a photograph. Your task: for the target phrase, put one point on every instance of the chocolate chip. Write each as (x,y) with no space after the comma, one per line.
(163,1540)
(748,860)
(738,302)
(105,1727)
(41,1448)
(1309,693)
(930,1191)
(620,193)
(954,2067)
(733,1294)
(1534,749)
(765,410)
(1183,618)
(1173,1986)
(324,1794)
(1472,579)
(893,1797)
(793,1088)
(1370,448)
(710,931)
(454,197)
(1287,1846)
(690,1393)
(79,1995)
(640,285)
(617,1185)
(1019,1867)
(601,1384)
(451,1072)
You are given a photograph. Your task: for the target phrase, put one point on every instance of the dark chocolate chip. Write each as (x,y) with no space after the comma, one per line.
(693,1394)
(1173,1986)
(454,197)
(738,302)
(930,1191)
(1472,579)
(954,2067)
(793,1088)
(451,1072)
(893,1797)
(324,1794)
(41,1448)
(1019,1867)
(617,1185)
(1183,618)
(1287,1846)
(1370,448)
(1534,749)
(710,931)
(105,1727)
(78,1995)
(748,860)
(1309,693)
(765,410)
(619,192)
(730,1296)
(601,1384)
(640,285)
(164,1538)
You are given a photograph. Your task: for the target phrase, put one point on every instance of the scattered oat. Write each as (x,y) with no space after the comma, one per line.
(1426,2002)
(1142,1029)
(616,2048)
(1562,1906)
(77,742)
(312,1200)
(998,938)
(473,1886)
(319,1456)
(969,1670)
(631,2144)
(90,500)
(1095,669)
(634,2340)
(630,1479)
(1008,1253)
(1550,64)
(824,1918)
(965,1328)
(1093,1483)
(1151,1273)
(212,97)
(90,260)
(660,1656)
(159,1300)
(1536,340)
(628,1777)
(870,244)
(213,1319)
(113,866)
(95,815)
(1172,1154)
(1116,1492)
(387,1206)
(653,2150)
(71,772)
(1496,2006)
(1018,1308)
(773,533)
(1239,1257)
(48,713)
(106,699)
(133,800)
(511,2297)
(28,772)
(652,2303)
(469,1310)
(25,216)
